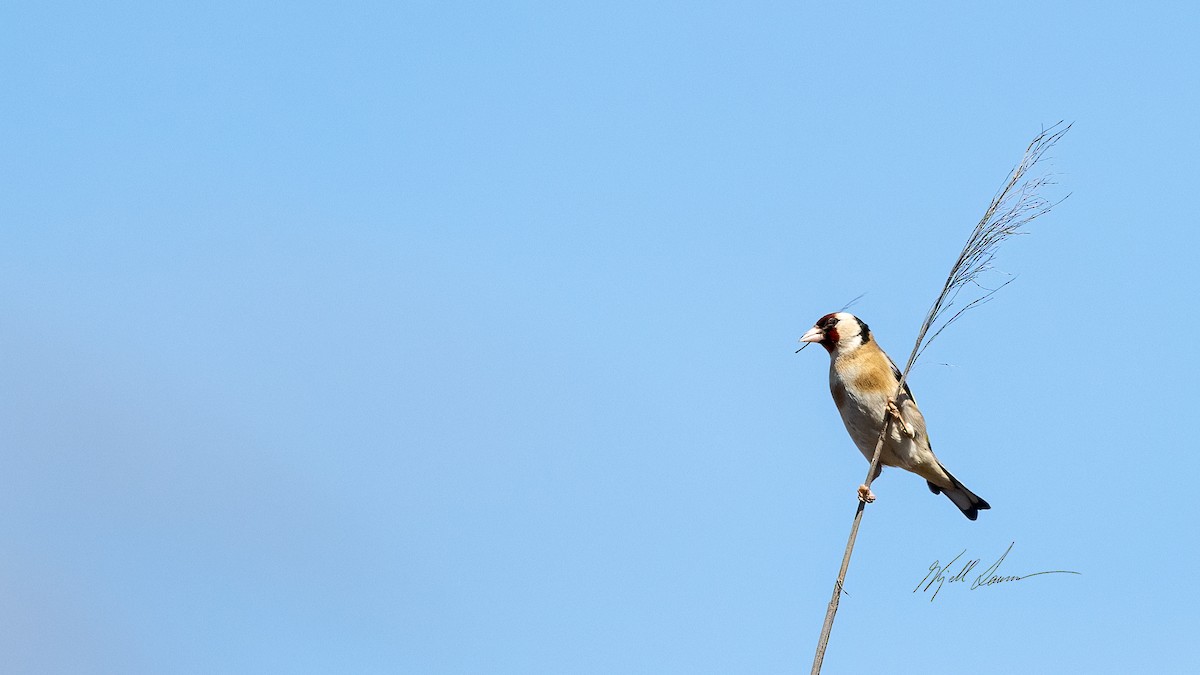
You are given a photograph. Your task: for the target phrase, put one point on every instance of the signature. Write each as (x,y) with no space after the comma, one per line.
(989,577)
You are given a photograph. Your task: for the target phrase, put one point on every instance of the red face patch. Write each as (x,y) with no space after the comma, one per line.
(831,339)
(828,324)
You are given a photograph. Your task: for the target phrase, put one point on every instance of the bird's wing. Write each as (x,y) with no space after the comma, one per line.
(908,408)
(896,374)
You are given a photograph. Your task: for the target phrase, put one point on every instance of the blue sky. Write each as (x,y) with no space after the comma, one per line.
(458,338)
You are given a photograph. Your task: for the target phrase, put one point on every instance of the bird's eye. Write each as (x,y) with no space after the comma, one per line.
(831,322)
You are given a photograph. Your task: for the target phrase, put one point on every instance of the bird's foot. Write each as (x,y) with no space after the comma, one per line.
(865,495)
(904,425)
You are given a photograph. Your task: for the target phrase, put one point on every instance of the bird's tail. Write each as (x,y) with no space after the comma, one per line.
(968,502)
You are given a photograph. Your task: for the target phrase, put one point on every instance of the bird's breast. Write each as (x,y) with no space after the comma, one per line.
(861,408)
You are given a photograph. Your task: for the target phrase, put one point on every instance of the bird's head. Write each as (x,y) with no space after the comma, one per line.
(840,331)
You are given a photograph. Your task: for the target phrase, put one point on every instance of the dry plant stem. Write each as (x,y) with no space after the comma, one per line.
(1015,205)
(837,586)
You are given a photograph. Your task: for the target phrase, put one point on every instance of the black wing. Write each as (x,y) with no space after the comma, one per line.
(896,373)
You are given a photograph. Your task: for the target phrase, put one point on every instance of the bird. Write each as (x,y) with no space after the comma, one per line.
(863,379)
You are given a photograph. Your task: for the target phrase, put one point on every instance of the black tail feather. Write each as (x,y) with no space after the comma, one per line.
(975,503)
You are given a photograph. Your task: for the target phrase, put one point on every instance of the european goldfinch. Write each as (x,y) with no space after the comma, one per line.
(862,379)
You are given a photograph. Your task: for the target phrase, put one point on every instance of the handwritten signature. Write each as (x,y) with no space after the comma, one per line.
(990,576)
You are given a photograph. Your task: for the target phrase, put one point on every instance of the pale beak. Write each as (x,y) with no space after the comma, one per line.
(814,334)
